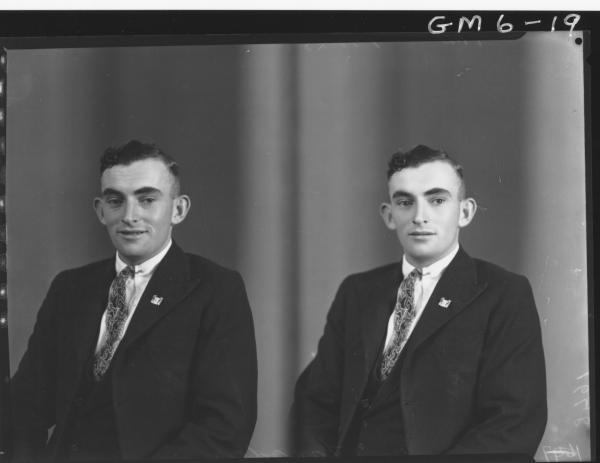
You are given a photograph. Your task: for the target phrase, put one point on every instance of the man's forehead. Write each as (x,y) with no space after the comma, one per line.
(145,172)
(422,178)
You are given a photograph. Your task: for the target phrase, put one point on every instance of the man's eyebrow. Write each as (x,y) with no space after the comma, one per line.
(437,191)
(146,190)
(140,191)
(430,192)
(401,194)
(111,191)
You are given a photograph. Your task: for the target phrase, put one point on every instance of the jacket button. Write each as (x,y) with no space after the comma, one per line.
(78,401)
(74,447)
(364,403)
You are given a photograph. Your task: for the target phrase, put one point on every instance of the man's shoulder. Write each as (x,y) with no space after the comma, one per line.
(485,271)
(202,266)
(375,276)
(87,270)
(197,264)
(493,273)
(83,277)
(377,272)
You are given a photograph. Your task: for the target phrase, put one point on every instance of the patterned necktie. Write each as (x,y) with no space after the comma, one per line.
(404,314)
(116,316)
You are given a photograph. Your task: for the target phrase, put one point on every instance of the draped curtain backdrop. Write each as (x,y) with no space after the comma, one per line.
(283,149)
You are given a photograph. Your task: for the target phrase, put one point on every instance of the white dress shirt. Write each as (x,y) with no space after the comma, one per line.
(133,290)
(423,289)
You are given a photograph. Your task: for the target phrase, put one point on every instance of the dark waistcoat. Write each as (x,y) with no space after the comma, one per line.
(91,432)
(377,426)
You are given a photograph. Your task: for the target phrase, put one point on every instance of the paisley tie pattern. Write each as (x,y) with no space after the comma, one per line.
(117,312)
(404,314)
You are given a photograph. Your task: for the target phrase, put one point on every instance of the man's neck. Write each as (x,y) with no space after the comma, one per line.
(160,254)
(446,258)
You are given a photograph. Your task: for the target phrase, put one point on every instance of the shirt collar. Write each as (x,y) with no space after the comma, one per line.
(146,267)
(432,270)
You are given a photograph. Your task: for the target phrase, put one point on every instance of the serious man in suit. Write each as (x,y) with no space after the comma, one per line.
(439,353)
(148,354)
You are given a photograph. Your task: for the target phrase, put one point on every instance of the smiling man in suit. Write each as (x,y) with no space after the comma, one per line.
(149,354)
(440,353)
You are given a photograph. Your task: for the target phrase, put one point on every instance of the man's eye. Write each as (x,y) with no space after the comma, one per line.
(438,201)
(403,202)
(113,201)
(147,200)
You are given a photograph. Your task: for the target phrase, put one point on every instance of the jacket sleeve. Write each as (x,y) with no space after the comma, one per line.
(315,414)
(510,396)
(223,402)
(33,386)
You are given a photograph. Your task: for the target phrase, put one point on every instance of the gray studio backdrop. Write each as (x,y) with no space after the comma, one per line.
(284,150)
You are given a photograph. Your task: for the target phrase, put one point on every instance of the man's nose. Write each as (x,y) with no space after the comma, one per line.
(421,215)
(130,213)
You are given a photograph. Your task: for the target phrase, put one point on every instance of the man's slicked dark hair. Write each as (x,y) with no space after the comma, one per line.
(135,150)
(422,154)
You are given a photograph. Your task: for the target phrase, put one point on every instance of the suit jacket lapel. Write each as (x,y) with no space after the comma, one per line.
(375,307)
(380,303)
(167,286)
(459,285)
(89,310)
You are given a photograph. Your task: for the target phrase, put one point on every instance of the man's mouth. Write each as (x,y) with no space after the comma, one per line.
(131,233)
(422,233)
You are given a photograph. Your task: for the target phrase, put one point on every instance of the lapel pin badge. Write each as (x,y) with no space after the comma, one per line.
(156,300)
(445,303)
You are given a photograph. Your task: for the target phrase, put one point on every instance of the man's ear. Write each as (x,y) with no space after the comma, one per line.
(181,207)
(385,210)
(468,207)
(99,210)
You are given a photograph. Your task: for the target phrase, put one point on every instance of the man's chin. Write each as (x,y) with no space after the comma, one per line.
(419,257)
(420,251)
(131,255)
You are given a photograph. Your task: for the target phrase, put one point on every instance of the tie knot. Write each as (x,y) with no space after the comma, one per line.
(415,274)
(127,272)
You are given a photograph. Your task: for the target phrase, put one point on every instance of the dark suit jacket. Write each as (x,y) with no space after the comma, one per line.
(184,376)
(473,374)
